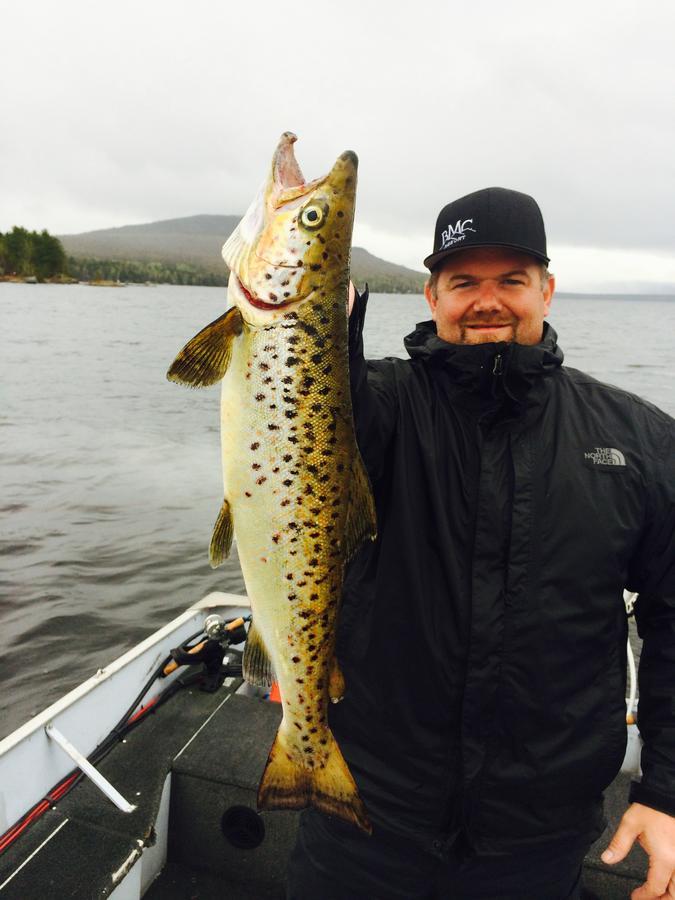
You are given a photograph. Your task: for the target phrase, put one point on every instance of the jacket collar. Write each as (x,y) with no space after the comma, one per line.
(501,370)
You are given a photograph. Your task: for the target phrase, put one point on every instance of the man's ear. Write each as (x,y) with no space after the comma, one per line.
(431,300)
(548,294)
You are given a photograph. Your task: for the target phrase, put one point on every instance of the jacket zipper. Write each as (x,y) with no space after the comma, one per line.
(497,369)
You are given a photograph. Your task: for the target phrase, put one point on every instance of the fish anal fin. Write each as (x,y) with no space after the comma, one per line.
(327,785)
(203,361)
(361,522)
(336,681)
(221,539)
(256,663)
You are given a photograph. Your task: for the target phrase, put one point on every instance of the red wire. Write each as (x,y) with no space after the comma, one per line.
(56,793)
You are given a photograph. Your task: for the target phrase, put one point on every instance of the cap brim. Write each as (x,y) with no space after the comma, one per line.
(431,262)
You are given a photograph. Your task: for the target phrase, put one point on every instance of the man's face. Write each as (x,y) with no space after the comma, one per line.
(490,294)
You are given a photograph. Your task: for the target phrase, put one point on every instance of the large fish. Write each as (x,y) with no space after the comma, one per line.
(297,496)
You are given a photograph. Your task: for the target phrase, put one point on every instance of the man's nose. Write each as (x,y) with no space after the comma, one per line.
(487,298)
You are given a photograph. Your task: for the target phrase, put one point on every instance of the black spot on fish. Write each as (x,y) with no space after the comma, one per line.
(287,379)
(264,366)
(255,445)
(304,614)
(296,659)
(268,380)
(285,502)
(287,482)
(292,360)
(259,397)
(272,427)
(305,737)
(316,358)
(340,214)
(267,276)
(261,480)
(272,296)
(255,465)
(290,413)
(300,680)
(247,493)
(287,457)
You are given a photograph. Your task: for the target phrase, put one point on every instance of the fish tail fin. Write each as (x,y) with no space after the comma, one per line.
(328,786)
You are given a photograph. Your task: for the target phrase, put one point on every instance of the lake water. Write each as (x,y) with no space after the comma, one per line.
(110,475)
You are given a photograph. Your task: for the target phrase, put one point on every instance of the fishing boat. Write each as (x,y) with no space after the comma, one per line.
(142,781)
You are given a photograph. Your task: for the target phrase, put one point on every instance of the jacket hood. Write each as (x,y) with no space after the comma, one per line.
(493,369)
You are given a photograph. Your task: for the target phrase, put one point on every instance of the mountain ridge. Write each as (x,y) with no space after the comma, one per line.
(197,240)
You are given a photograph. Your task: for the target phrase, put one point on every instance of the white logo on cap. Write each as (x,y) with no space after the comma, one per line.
(455,233)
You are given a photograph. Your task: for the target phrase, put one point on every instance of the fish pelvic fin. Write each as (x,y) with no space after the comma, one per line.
(329,787)
(361,522)
(256,663)
(203,361)
(221,539)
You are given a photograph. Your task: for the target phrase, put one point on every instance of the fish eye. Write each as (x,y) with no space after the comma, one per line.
(313,216)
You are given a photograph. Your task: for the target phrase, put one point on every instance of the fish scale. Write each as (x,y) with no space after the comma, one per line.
(296,494)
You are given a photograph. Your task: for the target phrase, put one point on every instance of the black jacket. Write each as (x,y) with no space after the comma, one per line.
(483,635)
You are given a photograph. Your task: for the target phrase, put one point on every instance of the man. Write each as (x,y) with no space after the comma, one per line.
(483,634)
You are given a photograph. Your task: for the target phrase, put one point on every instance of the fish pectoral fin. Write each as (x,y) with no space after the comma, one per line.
(256,664)
(288,783)
(204,359)
(221,539)
(361,518)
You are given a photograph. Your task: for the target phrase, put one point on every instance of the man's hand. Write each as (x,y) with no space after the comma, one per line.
(655,832)
(350,298)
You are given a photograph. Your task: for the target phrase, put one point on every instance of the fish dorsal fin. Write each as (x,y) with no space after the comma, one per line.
(241,242)
(204,359)
(256,664)
(221,540)
(361,518)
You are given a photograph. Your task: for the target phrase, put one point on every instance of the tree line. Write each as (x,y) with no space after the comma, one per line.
(40,255)
(31,253)
(137,271)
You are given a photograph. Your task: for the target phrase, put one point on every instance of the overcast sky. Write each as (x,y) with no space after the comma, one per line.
(112,114)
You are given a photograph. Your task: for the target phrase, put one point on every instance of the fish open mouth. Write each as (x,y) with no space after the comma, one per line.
(261,304)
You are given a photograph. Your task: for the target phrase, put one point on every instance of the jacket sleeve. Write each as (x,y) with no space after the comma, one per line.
(373,389)
(652,574)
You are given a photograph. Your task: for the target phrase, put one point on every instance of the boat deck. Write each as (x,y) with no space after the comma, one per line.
(215,747)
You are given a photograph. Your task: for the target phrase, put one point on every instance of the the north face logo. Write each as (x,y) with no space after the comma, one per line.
(605,456)
(455,233)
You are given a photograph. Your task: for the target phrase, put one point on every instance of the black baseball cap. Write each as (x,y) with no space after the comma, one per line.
(492,217)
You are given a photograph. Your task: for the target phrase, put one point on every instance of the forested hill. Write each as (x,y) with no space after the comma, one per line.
(196,241)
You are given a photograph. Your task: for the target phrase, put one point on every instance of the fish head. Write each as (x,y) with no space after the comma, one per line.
(294,241)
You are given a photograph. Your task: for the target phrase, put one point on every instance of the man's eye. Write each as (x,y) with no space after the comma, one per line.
(465,284)
(511,281)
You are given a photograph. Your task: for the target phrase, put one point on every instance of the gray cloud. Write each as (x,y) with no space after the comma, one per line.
(148,111)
